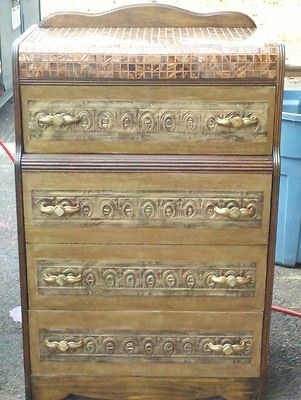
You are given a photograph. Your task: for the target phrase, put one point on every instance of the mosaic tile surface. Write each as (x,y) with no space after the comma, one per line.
(147,54)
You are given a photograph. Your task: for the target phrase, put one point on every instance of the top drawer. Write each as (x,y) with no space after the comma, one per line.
(148,119)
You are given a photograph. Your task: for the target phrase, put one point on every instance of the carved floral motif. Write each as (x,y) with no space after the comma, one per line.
(144,121)
(147,278)
(148,346)
(152,208)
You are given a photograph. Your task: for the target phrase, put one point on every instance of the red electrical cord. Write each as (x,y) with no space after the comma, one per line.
(287,311)
(7,151)
(274,308)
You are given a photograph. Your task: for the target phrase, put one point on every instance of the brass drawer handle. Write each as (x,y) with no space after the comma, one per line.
(57,120)
(229,349)
(59,210)
(237,122)
(231,280)
(63,345)
(66,277)
(235,212)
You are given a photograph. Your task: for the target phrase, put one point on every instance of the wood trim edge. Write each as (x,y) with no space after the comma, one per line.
(19,209)
(273,224)
(144,163)
(161,82)
(148,15)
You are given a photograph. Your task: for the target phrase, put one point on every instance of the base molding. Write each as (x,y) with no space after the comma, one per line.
(146,388)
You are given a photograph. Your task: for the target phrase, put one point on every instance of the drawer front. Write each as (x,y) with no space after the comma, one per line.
(146,343)
(148,119)
(106,277)
(147,208)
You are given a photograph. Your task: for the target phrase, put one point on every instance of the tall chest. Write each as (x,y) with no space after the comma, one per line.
(147,179)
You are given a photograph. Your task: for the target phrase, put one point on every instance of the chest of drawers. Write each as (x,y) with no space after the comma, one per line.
(147,178)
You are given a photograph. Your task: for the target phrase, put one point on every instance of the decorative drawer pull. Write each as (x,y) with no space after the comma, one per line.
(235,212)
(229,349)
(59,210)
(58,120)
(66,277)
(231,280)
(63,345)
(237,122)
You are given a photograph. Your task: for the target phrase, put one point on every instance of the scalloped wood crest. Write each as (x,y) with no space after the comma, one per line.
(147,16)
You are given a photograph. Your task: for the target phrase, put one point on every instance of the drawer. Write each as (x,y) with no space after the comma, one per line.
(143,277)
(148,119)
(150,343)
(162,208)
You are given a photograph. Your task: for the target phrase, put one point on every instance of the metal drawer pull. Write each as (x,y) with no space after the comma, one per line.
(59,210)
(228,349)
(235,212)
(237,122)
(63,345)
(58,120)
(231,280)
(66,277)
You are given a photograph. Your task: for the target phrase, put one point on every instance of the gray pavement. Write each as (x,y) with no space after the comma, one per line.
(284,373)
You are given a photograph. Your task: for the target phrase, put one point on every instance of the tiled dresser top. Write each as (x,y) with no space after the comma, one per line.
(147,53)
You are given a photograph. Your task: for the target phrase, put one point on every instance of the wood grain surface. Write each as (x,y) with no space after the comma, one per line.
(143,277)
(147,15)
(149,119)
(148,388)
(163,230)
(55,325)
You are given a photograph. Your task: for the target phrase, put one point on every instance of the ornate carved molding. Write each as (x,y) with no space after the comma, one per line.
(125,346)
(147,208)
(125,121)
(146,278)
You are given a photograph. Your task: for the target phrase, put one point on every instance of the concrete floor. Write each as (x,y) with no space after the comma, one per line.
(284,378)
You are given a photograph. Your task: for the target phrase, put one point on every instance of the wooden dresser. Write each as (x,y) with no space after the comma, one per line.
(147,179)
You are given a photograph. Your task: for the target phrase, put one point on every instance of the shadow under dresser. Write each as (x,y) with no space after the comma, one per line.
(147,181)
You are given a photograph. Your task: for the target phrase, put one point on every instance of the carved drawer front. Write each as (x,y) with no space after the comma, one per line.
(148,119)
(145,343)
(105,277)
(147,208)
